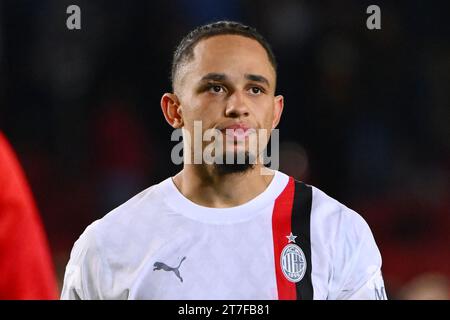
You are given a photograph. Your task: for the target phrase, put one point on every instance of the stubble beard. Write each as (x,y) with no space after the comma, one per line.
(235,167)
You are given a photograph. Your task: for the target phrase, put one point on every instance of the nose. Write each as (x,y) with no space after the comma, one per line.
(236,106)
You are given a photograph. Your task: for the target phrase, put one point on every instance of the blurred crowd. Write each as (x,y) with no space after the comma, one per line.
(366,119)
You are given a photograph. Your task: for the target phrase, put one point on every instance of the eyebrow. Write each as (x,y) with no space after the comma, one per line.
(257,78)
(222,77)
(215,77)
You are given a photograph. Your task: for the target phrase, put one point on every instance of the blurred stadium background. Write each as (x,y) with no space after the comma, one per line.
(367,115)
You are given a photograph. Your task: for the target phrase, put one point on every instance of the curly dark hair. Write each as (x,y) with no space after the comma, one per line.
(185,49)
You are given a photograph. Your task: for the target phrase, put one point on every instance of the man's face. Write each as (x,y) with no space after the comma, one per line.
(229,85)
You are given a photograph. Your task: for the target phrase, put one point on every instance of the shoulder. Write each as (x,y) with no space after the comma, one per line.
(340,234)
(333,218)
(342,240)
(108,244)
(142,206)
(125,224)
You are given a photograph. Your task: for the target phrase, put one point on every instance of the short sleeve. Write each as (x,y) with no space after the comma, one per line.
(85,270)
(357,272)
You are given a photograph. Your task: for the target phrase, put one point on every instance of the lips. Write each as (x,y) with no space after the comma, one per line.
(240,131)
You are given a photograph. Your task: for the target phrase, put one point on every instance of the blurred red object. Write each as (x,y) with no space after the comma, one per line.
(26,267)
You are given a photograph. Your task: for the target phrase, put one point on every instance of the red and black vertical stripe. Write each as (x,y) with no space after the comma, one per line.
(292,213)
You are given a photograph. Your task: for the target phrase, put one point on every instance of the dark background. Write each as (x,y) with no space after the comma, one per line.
(366,118)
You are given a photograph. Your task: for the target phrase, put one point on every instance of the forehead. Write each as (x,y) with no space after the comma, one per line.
(232,55)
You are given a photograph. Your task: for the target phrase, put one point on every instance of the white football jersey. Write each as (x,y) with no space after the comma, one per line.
(292,241)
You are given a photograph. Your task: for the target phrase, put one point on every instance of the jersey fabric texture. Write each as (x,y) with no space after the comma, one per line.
(290,242)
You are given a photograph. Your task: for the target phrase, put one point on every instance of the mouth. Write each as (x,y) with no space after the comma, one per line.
(237,131)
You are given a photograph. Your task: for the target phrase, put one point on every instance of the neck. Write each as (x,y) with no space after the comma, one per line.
(204,186)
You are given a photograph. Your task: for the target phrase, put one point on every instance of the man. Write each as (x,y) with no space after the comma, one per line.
(221,230)
(26,265)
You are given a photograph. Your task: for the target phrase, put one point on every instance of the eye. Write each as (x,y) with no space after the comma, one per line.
(216,89)
(256,90)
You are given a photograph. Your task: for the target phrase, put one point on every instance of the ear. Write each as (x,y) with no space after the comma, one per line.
(171,109)
(277,110)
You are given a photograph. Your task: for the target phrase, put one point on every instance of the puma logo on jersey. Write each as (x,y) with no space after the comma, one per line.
(165,267)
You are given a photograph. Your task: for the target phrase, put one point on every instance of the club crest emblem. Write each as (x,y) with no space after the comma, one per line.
(293,261)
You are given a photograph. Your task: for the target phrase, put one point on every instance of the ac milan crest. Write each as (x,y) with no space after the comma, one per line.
(293,261)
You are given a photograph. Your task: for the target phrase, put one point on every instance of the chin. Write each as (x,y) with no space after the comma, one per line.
(225,169)
(242,162)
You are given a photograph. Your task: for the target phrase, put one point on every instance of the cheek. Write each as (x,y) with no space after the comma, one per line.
(201,110)
(265,114)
